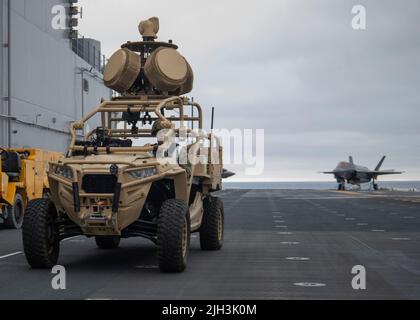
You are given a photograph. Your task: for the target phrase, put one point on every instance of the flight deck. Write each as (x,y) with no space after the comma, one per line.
(279,244)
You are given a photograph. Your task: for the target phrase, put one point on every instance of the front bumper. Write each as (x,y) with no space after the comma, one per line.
(100,213)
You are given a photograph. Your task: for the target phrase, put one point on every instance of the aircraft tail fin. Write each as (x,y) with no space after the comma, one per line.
(351,160)
(378,167)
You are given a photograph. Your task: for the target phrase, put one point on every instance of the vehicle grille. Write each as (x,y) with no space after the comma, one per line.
(99,183)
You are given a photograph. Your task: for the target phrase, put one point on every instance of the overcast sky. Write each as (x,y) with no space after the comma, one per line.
(296,68)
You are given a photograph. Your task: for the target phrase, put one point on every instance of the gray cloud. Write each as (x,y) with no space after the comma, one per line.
(298,70)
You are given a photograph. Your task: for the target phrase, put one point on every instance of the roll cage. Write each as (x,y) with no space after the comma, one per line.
(146,110)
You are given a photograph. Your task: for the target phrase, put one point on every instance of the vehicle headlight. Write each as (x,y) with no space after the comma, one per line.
(143,173)
(64,172)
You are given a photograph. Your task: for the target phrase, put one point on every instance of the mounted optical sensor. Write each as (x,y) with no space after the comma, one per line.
(114,169)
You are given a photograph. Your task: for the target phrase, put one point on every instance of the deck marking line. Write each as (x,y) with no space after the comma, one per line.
(11,255)
(298,258)
(71,238)
(147,267)
(309,284)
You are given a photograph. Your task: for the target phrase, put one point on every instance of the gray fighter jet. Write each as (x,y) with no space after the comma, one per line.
(356,175)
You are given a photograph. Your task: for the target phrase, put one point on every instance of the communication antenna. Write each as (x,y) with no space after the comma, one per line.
(212,129)
(212,119)
(192,113)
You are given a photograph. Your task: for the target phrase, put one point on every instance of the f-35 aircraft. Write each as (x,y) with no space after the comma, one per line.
(356,175)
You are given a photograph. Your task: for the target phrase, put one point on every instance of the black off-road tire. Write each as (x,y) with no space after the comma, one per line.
(173,236)
(212,227)
(41,241)
(15,213)
(107,242)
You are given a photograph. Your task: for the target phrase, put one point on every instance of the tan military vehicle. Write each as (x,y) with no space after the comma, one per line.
(112,186)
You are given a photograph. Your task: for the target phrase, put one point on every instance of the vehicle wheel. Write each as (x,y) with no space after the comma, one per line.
(212,227)
(15,213)
(105,242)
(173,236)
(41,241)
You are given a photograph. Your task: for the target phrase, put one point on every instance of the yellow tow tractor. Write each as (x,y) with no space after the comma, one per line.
(23,177)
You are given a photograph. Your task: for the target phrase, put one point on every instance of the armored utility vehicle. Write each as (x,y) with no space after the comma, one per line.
(112,186)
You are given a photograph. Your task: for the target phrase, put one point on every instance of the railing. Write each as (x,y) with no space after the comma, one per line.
(85,48)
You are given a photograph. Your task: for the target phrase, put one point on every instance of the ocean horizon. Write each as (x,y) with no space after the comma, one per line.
(319,185)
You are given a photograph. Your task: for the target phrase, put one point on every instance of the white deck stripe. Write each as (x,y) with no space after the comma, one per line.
(11,255)
(72,238)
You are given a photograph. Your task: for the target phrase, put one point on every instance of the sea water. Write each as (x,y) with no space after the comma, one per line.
(322,185)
